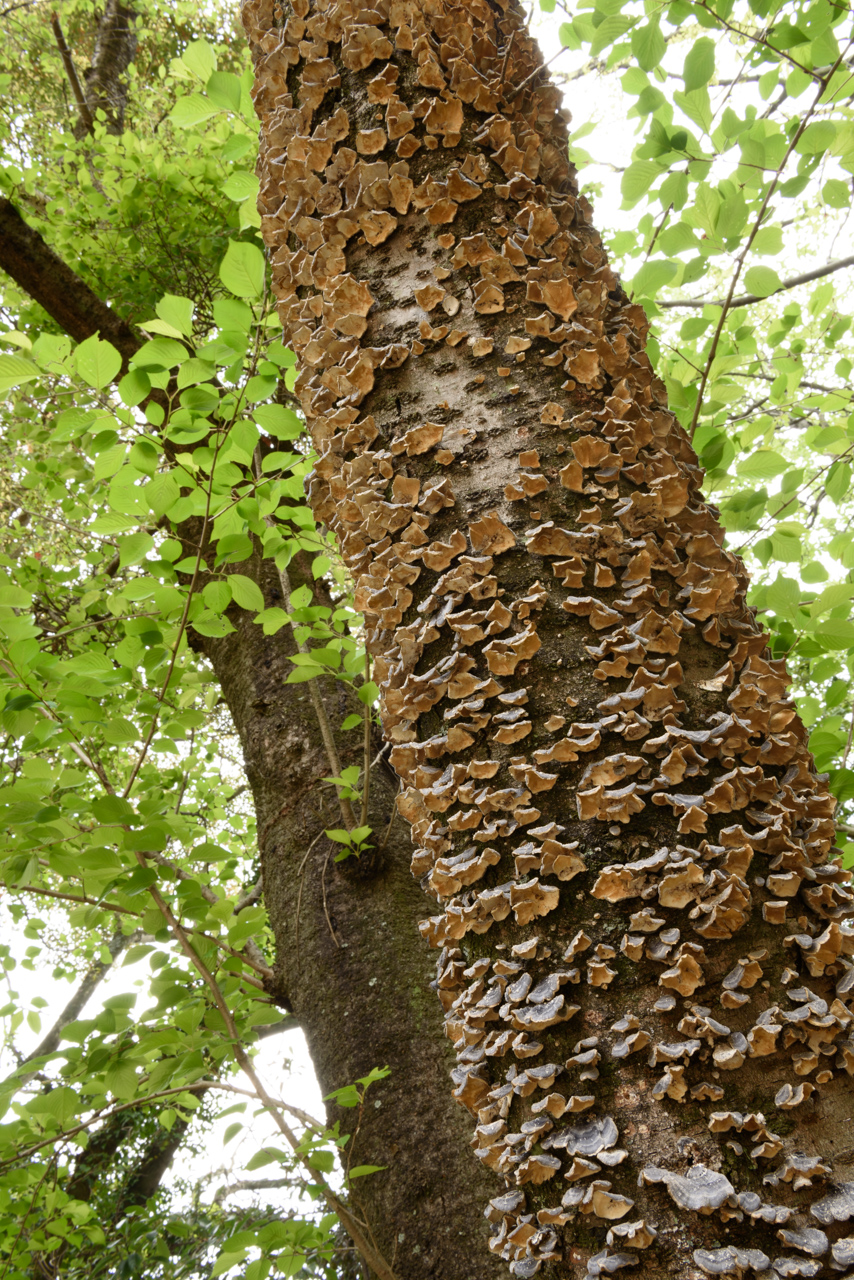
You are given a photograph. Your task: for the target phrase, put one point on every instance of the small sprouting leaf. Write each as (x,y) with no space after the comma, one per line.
(339,835)
(352,722)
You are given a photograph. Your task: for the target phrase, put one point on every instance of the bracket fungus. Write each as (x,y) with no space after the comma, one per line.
(534,558)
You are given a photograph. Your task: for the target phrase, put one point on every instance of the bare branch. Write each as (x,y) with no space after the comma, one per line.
(748,299)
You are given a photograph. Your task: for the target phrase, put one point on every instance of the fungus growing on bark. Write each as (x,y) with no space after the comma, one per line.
(701,1190)
(470,648)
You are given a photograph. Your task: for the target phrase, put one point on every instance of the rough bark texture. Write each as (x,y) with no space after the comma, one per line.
(644,965)
(351,966)
(115,49)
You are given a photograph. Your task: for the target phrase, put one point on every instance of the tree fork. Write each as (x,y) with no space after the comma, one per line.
(609,790)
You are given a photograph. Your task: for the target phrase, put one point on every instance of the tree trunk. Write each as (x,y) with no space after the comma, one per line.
(350,963)
(609,791)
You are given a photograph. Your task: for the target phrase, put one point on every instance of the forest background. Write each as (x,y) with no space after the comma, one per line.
(726,207)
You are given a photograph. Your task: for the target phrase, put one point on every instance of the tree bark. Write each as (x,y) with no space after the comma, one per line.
(644,965)
(105,87)
(350,963)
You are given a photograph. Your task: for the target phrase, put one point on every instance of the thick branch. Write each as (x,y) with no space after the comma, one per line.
(27,257)
(115,49)
(748,299)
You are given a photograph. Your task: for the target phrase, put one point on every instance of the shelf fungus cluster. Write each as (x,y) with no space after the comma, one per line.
(645,960)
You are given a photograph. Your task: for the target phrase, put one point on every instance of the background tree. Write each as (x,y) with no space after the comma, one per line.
(91,199)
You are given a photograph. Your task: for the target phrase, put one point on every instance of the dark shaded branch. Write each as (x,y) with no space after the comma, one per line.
(86,121)
(748,299)
(27,257)
(99,970)
(152,1167)
(115,49)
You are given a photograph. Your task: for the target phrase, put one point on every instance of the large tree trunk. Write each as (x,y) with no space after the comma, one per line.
(643,966)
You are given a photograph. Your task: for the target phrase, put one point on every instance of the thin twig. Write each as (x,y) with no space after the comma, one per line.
(742,257)
(323,896)
(366,782)
(301,878)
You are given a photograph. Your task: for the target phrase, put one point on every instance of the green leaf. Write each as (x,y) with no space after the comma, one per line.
(362,1170)
(247,594)
(14,370)
(762,281)
(231,314)
(652,277)
(277,421)
(199,59)
(134,387)
(160,353)
(838,482)
(637,180)
(339,835)
(649,45)
(368,692)
(241,185)
(242,269)
(223,89)
(763,464)
(135,548)
(97,362)
(836,193)
(816,138)
(177,312)
(697,106)
(192,109)
(699,66)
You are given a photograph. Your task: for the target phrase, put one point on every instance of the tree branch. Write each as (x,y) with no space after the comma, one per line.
(115,49)
(27,257)
(91,980)
(748,299)
(86,120)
